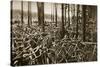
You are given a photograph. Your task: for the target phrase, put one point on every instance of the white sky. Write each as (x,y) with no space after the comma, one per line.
(47,7)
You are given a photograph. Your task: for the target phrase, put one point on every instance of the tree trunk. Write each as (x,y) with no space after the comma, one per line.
(22,13)
(11,12)
(29,15)
(40,6)
(68,15)
(51,13)
(84,20)
(62,31)
(55,14)
(11,18)
(65,14)
(77,21)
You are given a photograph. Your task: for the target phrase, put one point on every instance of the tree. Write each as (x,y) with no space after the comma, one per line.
(84,20)
(11,4)
(51,13)
(62,30)
(55,14)
(65,13)
(77,21)
(11,10)
(29,15)
(22,13)
(68,15)
(40,6)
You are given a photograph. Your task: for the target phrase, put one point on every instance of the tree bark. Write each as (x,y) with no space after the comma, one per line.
(11,12)
(29,15)
(22,13)
(84,20)
(40,6)
(11,18)
(68,15)
(55,14)
(62,23)
(51,13)
(77,21)
(65,14)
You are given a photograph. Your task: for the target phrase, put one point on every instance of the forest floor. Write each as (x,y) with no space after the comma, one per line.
(31,47)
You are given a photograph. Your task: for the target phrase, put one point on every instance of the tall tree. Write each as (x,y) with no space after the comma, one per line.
(65,13)
(22,13)
(77,21)
(40,6)
(11,4)
(73,13)
(29,14)
(56,14)
(53,14)
(62,30)
(84,20)
(11,11)
(68,15)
